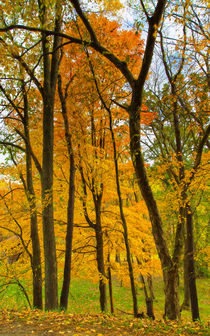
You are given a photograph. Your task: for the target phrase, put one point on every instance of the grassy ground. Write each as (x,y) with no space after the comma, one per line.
(84,317)
(84,298)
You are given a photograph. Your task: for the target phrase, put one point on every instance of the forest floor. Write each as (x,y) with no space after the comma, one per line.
(36,323)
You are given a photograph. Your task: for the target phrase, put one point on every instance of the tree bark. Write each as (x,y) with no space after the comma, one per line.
(186,302)
(148,299)
(50,68)
(36,253)
(150,286)
(123,220)
(191,266)
(51,285)
(170,271)
(35,257)
(110,285)
(70,208)
(100,255)
(171,281)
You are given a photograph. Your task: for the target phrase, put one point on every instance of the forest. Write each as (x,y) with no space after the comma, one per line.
(104,164)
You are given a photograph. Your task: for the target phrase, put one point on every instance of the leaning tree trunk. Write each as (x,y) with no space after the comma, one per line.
(170,269)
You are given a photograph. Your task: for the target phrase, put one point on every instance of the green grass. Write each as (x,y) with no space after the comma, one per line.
(12,297)
(84,298)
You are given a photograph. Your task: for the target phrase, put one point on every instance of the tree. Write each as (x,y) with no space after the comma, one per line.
(47,91)
(71,199)
(179,112)
(134,122)
(133,106)
(17,120)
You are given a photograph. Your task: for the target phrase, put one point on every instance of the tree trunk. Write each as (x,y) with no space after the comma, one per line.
(150,286)
(69,239)
(36,254)
(50,69)
(186,301)
(171,282)
(100,256)
(71,200)
(51,285)
(124,223)
(36,268)
(191,266)
(99,237)
(170,270)
(110,286)
(148,300)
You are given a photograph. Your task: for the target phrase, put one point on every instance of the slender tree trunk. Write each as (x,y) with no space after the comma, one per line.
(36,268)
(69,238)
(191,266)
(124,224)
(100,256)
(150,286)
(148,300)
(51,285)
(110,285)
(186,301)
(99,237)
(70,208)
(36,254)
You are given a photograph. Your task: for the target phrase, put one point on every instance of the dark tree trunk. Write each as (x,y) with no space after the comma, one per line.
(191,266)
(150,286)
(148,300)
(171,281)
(69,239)
(100,255)
(110,286)
(186,301)
(36,268)
(70,209)
(51,285)
(36,254)
(124,224)
(50,69)
(170,271)
(97,197)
